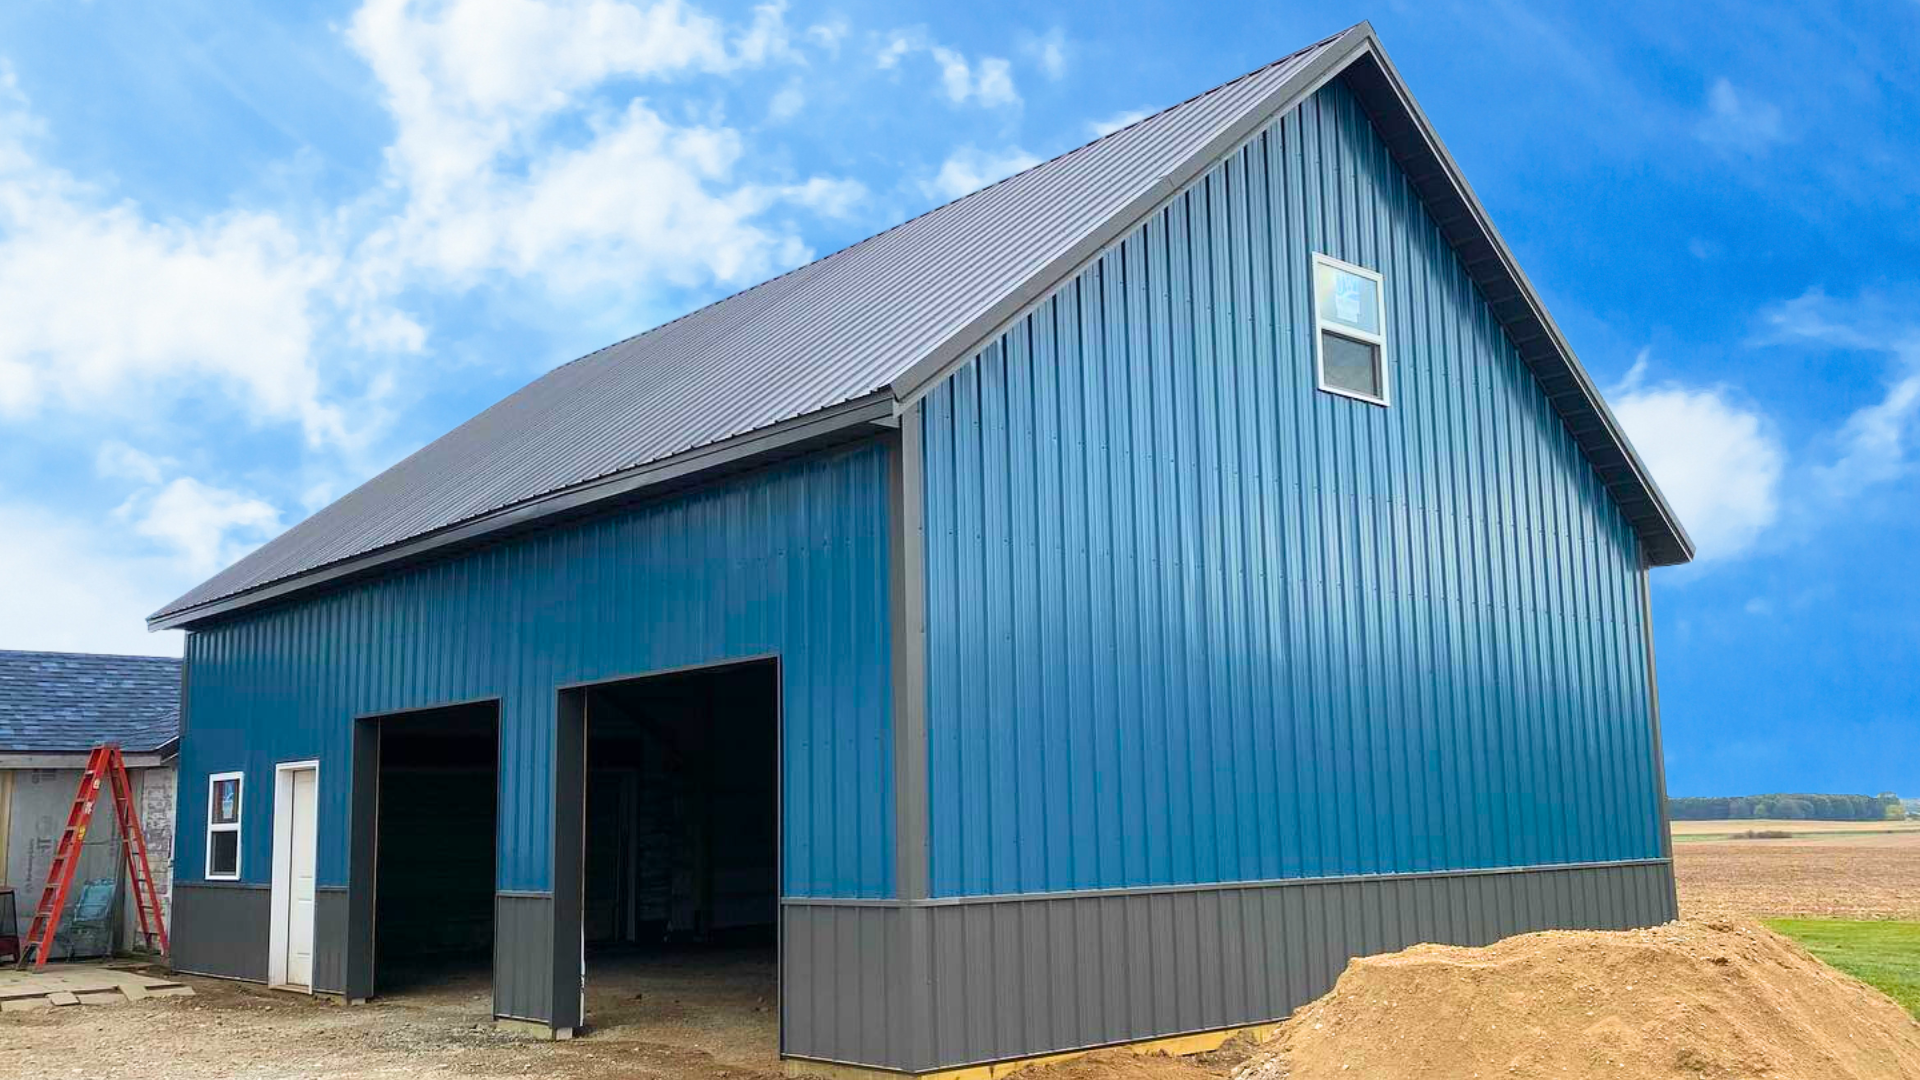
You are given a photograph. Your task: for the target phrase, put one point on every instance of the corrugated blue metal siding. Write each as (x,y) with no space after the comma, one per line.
(791,561)
(1191,620)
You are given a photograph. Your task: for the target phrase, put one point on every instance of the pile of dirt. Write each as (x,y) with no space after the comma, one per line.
(1687,1001)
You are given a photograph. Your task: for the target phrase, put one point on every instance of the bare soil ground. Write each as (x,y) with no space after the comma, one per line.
(1688,831)
(1838,874)
(672,1018)
(686,1017)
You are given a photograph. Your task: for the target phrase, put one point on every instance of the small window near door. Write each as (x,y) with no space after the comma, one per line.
(1350,330)
(223,826)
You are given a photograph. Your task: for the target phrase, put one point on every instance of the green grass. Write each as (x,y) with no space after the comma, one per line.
(1885,955)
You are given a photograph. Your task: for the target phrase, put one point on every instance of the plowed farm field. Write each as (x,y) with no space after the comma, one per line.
(1840,870)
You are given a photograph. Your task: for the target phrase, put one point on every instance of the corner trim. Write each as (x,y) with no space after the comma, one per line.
(908,580)
(1653,716)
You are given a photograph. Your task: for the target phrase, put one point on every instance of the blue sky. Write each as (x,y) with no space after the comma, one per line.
(252,254)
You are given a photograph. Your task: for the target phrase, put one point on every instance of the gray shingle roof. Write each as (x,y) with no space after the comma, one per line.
(52,703)
(868,324)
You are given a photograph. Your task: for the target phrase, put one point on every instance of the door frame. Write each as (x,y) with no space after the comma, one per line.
(573,721)
(282,889)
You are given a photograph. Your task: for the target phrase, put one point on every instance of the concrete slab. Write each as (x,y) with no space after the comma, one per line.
(71,984)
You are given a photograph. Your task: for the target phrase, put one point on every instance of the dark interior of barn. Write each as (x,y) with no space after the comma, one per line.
(681,819)
(434,895)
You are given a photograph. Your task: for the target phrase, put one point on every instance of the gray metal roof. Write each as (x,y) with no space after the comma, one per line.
(843,340)
(57,703)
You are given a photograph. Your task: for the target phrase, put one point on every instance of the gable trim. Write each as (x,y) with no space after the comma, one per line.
(1465,224)
(1357,57)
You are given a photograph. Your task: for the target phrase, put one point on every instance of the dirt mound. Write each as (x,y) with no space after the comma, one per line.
(1122,1065)
(1687,1001)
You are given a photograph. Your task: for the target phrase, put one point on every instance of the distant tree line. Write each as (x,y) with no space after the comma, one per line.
(1789,808)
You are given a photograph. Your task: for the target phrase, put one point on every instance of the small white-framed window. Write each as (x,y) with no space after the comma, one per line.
(1350,330)
(223,825)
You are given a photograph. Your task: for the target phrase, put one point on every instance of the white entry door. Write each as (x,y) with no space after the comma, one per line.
(295,847)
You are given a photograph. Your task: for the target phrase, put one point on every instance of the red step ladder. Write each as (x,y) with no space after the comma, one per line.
(104,766)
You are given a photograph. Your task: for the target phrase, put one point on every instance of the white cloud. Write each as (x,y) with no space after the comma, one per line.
(63,588)
(109,315)
(766,37)
(1875,444)
(968,169)
(1099,128)
(524,146)
(105,312)
(988,81)
(473,86)
(1718,462)
(204,527)
(1739,122)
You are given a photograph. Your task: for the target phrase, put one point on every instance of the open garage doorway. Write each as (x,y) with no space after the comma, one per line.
(680,890)
(434,887)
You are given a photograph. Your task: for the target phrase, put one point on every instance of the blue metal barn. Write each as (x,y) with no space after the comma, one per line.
(1146,583)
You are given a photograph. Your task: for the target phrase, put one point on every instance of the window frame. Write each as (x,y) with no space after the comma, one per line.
(239,815)
(1323,326)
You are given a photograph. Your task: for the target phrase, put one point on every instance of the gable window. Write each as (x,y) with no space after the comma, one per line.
(223,826)
(1350,330)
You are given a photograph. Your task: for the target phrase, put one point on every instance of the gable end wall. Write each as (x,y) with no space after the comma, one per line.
(1190,620)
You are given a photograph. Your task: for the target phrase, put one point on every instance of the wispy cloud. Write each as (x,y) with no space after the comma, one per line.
(787,102)
(987,81)
(1111,124)
(1738,121)
(1876,443)
(969,169)
(1048,52)
(204,526)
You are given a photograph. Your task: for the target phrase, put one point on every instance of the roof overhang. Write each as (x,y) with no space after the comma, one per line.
(77,759)
(1355,56)
(844,423)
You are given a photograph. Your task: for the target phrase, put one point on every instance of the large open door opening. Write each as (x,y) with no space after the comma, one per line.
(434,893)
(681,891)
